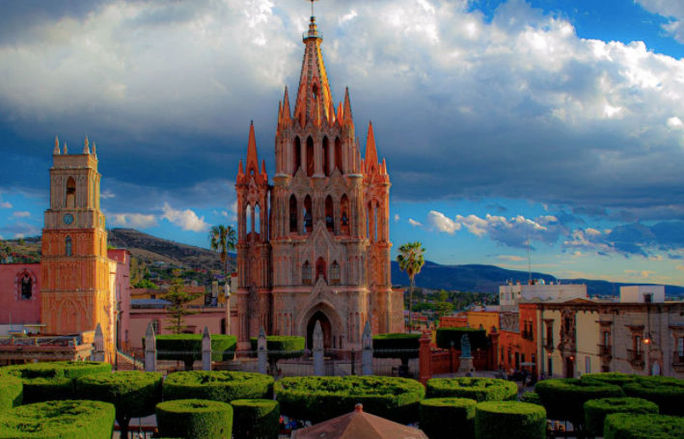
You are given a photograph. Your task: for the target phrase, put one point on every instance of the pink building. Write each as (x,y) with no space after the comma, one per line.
(19,298)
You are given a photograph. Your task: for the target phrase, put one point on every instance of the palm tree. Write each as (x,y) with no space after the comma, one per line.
(411,261)
(222,238)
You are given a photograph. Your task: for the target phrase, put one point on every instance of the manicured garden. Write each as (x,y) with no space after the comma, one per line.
(82,400)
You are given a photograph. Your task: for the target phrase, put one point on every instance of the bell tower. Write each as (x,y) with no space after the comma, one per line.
(75,268)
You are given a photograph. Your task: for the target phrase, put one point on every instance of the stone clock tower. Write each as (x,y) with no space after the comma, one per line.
(75,268)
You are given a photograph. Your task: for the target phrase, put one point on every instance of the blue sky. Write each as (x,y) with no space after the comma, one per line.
(554,122)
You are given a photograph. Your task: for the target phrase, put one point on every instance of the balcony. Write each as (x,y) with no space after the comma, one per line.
(605,351)
(636,358)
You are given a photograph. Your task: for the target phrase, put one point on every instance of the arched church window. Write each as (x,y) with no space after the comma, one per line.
(368,213)
(308,216)
(338,154)
(326,156)
(26,286)
(309,156)
(320,269)
(375,221)
(293,214)
(344,215)
(314,91)
(68,246)
(306,273)
(71,193)
(297,155)
(329,218)
(257,219)
(249,219)
(335,273)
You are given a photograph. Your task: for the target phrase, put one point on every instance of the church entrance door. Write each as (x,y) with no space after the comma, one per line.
(319,316)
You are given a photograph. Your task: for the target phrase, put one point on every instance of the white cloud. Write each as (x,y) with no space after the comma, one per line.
(5,205)
(107,194)
(135,220)
(511,258)
(396,217)
(185,219)
(21,214)
(674,123)
(672,9)
(414,223)
(442,223)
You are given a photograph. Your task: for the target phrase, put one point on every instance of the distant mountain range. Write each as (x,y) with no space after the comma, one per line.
(471,277)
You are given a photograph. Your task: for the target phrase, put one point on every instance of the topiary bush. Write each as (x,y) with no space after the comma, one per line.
(616,378)
(479,389)
(280,347)
(67,419)
(133,393)
(531,397)
(564,398)
(256,418)
(666,392)
(195,419)
(477,337)
(402,346)
(224,386)
(317,398)
(596,410)
(441,417)
(52,380)
(510,420)
(188,348)
(11,392)
(636,426)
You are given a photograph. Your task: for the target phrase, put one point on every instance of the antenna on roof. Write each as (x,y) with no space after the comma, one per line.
(312,6)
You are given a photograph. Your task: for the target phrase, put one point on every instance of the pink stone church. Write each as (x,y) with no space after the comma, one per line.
(314,244)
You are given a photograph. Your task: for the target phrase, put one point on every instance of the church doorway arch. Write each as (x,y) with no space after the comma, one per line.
(319,316)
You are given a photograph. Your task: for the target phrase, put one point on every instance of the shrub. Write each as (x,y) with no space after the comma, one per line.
(222,386)
(616,378)
(402,346)
(531,397)
(635,426)
(188,348)
(280,347)
(666,392)
(52,380)
(256,418)
(195,419)
(596,410)
(479,389)
(317,398)
(477,337)
(564,398)
(441,417)
(509,419)
(59,420)
(11,391)
(133,393)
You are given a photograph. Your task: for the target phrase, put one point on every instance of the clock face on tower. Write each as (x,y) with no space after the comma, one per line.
(68,218)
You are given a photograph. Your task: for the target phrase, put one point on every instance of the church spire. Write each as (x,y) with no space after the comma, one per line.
(252,158)
(371,153)
(314,89)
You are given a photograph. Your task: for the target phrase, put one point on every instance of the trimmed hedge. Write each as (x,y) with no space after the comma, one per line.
(396,346)
(635,426)
(596,410)
(441,417)
(52,380)
(256,418)
(510,420)
(11,392)
(666,392)
(479,389)
(317,398)
(616,378)
(282,346)
(59,420)
(188,347)
(478,338)
(195,419)
(133,393)
(531,397)
(224,386)
(564,398)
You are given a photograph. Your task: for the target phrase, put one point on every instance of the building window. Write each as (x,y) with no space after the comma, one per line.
(293,214)
(637,344)
(549,333)
(680,346)
(309,157)
(335,273)
(338,154)
(326,157)
(155,326)
(550,366)
(308,218)
(329,219)
(71,193)
(587,364)
(306,273)
(26,286)
(320,269)
(68,246)
(344,215)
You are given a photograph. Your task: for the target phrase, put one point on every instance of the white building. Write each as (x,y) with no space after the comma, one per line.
(642,294)
(510,295)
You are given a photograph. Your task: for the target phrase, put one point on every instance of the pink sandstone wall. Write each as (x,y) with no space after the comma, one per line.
(14,309)
(122,289)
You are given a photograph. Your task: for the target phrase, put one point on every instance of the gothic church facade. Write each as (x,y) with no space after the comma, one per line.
(314,245)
